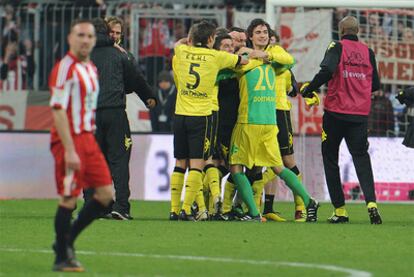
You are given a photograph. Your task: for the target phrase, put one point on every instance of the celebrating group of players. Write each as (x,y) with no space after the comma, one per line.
(232,114)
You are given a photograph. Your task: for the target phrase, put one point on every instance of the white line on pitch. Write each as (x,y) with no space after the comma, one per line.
(350,272)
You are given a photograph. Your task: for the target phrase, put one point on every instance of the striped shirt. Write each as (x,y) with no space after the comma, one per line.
(74,87)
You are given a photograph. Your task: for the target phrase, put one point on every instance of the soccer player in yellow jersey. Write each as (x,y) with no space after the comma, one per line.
(254,144)
(195,71)
(216,167)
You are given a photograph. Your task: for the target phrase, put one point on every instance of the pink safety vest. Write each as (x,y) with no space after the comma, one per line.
(349,90)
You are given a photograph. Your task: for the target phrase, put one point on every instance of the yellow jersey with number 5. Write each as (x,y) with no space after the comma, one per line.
(195,73)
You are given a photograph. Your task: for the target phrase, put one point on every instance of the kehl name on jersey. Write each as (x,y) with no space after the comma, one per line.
(196,57)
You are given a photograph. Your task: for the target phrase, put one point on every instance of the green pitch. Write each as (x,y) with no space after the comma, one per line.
(150,245)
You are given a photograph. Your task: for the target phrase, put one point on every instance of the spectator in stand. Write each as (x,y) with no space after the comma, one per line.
(91,3)
(378,34)
(92,8)
(179,30)
(408,35)
(154,47)
(381,118)
(30,69)
(400,29)
(374,20)
(162,115)
(8,21)
(387,23)
(16,64)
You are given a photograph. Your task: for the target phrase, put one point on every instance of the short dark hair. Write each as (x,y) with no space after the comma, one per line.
(237,29)
(218,40)
(221,31)
(257,22)
(201,32)
(100,25)
(79,21)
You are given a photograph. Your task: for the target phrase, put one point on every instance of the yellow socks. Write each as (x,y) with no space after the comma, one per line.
(257,188)
(193,185)
(200,201)
(177,182)
(229,192)
(213,180)
(299,204)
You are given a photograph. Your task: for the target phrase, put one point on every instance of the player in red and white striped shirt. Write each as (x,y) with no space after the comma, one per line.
(79,162)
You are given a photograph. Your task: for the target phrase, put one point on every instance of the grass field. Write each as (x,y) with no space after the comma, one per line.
(150,245)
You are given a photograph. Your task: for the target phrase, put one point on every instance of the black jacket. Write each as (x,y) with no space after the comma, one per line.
(117,75)
(229,100)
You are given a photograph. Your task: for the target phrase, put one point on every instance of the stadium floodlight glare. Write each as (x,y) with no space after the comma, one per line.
(271,5)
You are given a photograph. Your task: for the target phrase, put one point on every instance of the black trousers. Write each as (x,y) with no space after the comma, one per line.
(355,135)
(114,137)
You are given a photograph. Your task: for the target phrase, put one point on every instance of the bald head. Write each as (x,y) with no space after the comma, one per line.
(348,26)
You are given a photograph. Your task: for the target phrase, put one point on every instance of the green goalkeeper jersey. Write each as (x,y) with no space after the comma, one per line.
(257,87)
(257,95)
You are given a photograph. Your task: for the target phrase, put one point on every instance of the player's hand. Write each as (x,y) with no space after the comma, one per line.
(258,54)
(244,60)
(120,48)
(181,42)
(306,93)
(244,50)
(293,91)
(314,101)
(151,103)
(72,160)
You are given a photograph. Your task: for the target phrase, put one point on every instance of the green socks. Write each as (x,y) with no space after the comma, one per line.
(244,188)
(295,185)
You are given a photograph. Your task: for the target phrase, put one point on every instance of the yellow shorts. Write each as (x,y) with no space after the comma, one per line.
(255,145)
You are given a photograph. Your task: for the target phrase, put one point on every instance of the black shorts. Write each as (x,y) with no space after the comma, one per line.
(215,150)
(285,135)
(192,136)
(224,139)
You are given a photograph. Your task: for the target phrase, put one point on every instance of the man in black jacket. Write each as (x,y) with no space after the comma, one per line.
(117,77)
(406,97)
(350,69)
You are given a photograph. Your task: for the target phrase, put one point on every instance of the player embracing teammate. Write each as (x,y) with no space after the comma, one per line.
(254,142)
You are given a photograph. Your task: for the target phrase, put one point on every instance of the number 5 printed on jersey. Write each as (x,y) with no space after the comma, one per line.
(195,74)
